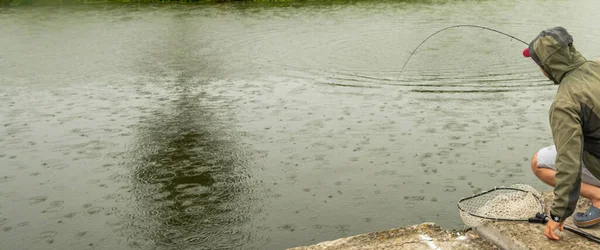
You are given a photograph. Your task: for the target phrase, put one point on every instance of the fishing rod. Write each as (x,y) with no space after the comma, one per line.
(456,26)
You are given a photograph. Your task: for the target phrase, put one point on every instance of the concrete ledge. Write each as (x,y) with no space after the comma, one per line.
(501,240)
(423,236)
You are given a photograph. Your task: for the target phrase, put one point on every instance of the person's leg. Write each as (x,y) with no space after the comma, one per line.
(547,176)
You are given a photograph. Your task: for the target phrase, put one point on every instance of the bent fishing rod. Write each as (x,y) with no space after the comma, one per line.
(455,26)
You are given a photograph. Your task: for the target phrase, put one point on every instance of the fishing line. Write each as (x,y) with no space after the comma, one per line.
(456,26)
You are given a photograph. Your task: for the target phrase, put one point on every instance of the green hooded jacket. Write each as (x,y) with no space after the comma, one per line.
(574,114)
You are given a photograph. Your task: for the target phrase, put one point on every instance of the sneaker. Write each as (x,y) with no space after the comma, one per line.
(588,218)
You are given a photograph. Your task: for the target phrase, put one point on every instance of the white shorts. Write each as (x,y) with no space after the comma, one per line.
(546,158)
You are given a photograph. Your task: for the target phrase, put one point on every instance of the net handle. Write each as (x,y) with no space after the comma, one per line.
(542,219)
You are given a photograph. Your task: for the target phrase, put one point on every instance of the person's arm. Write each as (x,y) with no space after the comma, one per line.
(566,123)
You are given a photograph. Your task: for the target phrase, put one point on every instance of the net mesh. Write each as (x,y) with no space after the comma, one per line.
(504,204)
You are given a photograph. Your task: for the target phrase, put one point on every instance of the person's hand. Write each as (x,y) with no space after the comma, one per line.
(551,227)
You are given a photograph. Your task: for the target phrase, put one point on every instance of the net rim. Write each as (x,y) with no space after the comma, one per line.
(541,203)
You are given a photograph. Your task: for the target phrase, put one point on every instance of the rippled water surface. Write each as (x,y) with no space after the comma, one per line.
(263,127)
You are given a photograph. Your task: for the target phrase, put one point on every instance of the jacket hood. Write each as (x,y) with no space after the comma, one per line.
(553,50)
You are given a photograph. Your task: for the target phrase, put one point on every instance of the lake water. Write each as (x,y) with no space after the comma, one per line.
(264,127)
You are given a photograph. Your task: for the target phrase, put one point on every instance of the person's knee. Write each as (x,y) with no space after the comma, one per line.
(542,173)
(534,163)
